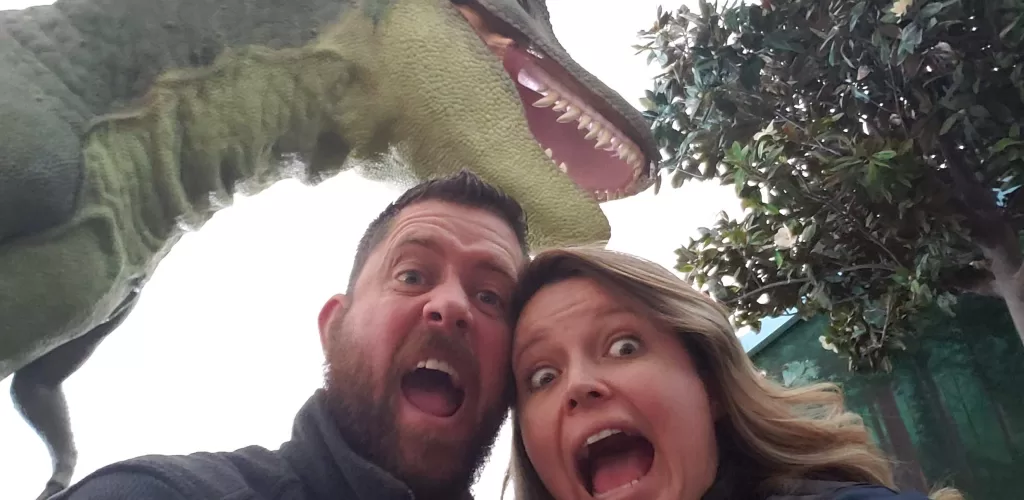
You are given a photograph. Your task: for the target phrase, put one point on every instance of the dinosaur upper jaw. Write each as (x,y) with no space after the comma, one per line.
(586,137)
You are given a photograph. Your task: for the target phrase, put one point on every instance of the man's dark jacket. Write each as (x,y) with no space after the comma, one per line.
(315,464)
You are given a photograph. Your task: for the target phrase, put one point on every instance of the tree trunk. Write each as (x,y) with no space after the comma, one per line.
(1009,284)
(991,230)
(948,431)
(908,469)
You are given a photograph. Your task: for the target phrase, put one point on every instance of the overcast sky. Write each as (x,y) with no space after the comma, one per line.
(222,349)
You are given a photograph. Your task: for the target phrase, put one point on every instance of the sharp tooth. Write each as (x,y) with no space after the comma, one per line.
(584,122)
(549,152)
(421,364)
(594,132)
(623,151)
(563,167)
(603,139)
(547,100)
(561,105)
(571,115)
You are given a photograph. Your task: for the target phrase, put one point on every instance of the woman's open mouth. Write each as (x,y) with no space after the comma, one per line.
(612,460)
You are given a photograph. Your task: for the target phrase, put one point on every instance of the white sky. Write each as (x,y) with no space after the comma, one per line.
(222,348)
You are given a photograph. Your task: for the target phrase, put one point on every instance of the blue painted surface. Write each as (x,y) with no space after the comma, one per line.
(769,326)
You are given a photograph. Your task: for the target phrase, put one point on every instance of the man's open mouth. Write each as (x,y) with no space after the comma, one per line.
(434,388)
(585,136)
(613,459)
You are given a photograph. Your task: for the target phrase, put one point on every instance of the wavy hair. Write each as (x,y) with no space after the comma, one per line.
(768,435)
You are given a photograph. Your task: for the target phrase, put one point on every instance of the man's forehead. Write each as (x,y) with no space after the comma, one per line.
(445,227)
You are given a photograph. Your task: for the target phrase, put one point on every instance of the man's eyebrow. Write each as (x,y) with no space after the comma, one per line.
(418,241)
(490,263)
(505,271)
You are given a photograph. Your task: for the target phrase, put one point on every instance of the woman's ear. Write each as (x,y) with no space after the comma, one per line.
(330,315)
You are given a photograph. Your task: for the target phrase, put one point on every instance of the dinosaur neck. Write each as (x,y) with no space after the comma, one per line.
(114,49)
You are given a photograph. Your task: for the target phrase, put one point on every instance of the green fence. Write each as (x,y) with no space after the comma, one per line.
(952,410)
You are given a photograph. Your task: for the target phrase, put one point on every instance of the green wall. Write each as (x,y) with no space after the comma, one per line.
(952,410)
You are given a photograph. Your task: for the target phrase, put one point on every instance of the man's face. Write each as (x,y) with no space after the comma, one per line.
(417,356)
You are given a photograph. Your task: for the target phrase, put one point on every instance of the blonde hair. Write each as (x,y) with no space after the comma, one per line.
(774,434)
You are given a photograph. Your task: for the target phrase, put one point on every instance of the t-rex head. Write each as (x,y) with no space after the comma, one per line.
(591,133)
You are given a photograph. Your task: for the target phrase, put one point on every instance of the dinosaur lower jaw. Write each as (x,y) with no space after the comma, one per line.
(595,154)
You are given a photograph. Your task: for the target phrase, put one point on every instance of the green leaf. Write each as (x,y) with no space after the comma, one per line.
(856,12)
(750,74)
(740,179)
(933,8)
(1005,143)
(884,155)
(948,124)
(808,232)
(910,37)
(979,111)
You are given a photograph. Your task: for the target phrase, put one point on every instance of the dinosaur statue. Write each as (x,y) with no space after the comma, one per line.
(126,123)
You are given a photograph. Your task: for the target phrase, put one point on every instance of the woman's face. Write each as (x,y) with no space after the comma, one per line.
(610,405)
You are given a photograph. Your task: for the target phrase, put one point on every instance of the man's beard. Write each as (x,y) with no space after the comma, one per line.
(443,469)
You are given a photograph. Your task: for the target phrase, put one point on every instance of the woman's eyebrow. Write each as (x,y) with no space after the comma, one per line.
(537,338)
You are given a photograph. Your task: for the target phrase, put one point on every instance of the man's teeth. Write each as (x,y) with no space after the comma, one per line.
(601,132)
(436,364)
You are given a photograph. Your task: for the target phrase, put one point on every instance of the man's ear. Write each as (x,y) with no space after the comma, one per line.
(329,313)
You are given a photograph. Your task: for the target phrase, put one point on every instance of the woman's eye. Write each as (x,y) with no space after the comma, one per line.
(625,347)
(411,277)
(490,298)
(542,377)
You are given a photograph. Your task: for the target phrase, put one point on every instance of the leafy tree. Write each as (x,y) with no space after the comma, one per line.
(876,148)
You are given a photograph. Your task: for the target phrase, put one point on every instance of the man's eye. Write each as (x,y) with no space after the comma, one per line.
(542,377)
(625,346)
(411,277)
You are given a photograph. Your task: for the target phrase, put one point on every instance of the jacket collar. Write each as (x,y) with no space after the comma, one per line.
(327,466)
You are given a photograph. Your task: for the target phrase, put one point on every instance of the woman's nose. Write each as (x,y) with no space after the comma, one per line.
(585,390)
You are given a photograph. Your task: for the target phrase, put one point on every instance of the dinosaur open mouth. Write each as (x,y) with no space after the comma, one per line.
(583,135)
(585,145)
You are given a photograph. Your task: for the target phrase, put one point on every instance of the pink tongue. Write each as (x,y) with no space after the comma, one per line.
(431,391)
(611,470)
(436,403)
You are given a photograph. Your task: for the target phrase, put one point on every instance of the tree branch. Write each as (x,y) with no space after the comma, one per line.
(777,284)
(987,223)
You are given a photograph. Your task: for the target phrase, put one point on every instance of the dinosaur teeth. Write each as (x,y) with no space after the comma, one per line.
(595,130)
(563,167)
(604,139)
(585,121)
(570,116)
(561,105)
(549,99)
(549,153)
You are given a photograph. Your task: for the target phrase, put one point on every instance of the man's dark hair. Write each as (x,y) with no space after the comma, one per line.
(463,188)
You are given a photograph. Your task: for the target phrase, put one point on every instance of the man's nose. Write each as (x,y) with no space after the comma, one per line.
(449,309)
(584,390)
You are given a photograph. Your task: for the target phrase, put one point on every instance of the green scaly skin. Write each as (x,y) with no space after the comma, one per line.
(227,100)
